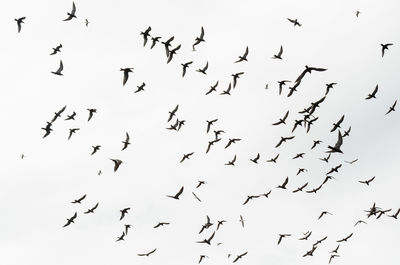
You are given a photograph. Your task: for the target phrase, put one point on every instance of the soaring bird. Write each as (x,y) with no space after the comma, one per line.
(176,196)
(336,148)
(146,35)
(124,212)
(281,236)
(232,162)
(126,142)
(241,220)
(71,220)
(373,94)
(172,113)
(186,156)
(117,163)
(213,88)
(345,239)
(227,91)
(244,56)
(126,74)
(210,123)
(273,159)
(172,53)
(20,21)
(367,181)
(236,77)
(58,114)
(59,70)
(127,227)
(121,237)
(239,257)
(323,213)
(185,66)
(328,87)
(203,70)
(283,185)
(72,131)
(281,84)
(282,121)
(207,240)
(337,124)
(198,40)
(202,257)
(141,87)
(300,188)
(91,112)
(48,129)
(95,149)
(211,144)
(255,160)
(357,13)
(91,210)
(167,44)
(71,117)
(385,47)
(392,108)
(87,22)
(232,141)
(72,14)
(201,182)
(160,224)
(250,198)
(154,40)
(294,22)
(279,55)
(316,142)
(79,200)
(309,70)
(56,49)
(283,140)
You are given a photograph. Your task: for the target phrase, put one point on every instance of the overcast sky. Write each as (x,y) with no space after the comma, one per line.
(36,192)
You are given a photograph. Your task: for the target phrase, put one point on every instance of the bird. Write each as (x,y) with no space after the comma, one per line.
(283,140)
(127,227)
(283,120)
(203,70)
(185,66)
(310,252)
(126,142)
(227,91)
(172,113)
(160,224)
(314,190)
(99,172)
(332,256)
(126,74)
(71,220)
(295,22)
(367,181)
(273,159)
(199,40)
(124,212)
(200,182)
(48,129)
(279,55)
(176,196)
(72,131)
(391,108)
(20,21)
(357,13)
(72,14)
(207,240)
(146,35)
(241,220)
(316,142)
(335,250)
(79,200)
(283,185)
(154,40)
(172,53)
(56,49)
(141,87)
(232,141)
(239,257)
(281,84)
(91,112)
(300,188)
(91,210)
(306,236)
(121,237)
(255,160)
(328,87)
(117,163)
(336,148)
(232,162)
(244,56)
(71,117)
(197,198)
(347,133)
(345,239)
(186,156)
(323,213)
(385,47)
(300,155)
(236,77)
(250,198)
(167,44)
(337,124)
(22,156)
(207,225)
(213,88)
(220,223)
(396,214)
(373,94)
(202,257)
(351,162)
(58,114)
(59,70)
(360,222)
(211,143)
(210,123)
(87,22)
(281,236)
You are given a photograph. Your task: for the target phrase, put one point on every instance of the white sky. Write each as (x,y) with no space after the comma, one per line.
(36,192)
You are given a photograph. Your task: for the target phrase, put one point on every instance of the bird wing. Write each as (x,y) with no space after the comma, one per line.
(246,52)
(73,8)
(126,76)
(179,192)
(202,33)
(280,52)
(61,67)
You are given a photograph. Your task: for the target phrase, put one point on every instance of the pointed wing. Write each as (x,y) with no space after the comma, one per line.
(202,33)
(280,52)
(179,192)
(61,67)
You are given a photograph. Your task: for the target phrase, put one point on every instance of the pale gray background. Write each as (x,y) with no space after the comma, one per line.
(36,192)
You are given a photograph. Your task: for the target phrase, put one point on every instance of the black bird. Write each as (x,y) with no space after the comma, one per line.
(72,131)
(56,49)
(160,224)
(255,160)
(347,133)
(392,108)
(300,155)
(308,70)
(337,125)
(281,84)
(58,114)
(360,222)
(373,94)
(20,21)
(203,70)
(333,256)
(326,179)
(293,88)
(301,170)
(295,22)
(236,77)
(314,190)
(201,182)
(202,257)
(154,40)
(281,236)
(167,44)
(232,162)
(127,227)
(351,162)
(367,181)
(310,252)
(198,40)
(284,139)
(220,223)
(232,141)
(141,87)
(59,70)
(326,159)
(300,188)
(335,169)
(210,123)
(212,143)
(306,236)
(172,113)
(228,91)
(385,47)
(126,74)
(273,159)
(329,86)
(207,240)
(279,55)
(186,156)
(316,142)
(396,214)
(207,225)
(79,200)
(217,133)
(213,88)
(71,220)
(345,239)
(48,129)
(283,185)
(320,241)
(146,35)
(71,117)
(243,57)
(250,198)
(335,250)
(91,210)
(126,142)
(117,163)
(297,123)
(239,257)
(241,220)
(91,112)
(357,13)
(336,148)
(176,196)
(323,213)
(72,14)
(121,237)
(185,66)
(124,212)
(173,52)
(282,121)
(87,22)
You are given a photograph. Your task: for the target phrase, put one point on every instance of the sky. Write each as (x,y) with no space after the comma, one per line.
(36,192)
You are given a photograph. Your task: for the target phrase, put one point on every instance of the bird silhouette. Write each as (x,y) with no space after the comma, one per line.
(160,224)
(294,22)
(283,140)
(337,124)
(71,15)
(367,182)
(140,88)
(282,121)
(232,162)
(79,200)
(56,49)
(59,70)
(20,21)
(91,112)
(124,212)
(58,114)
(283,185)
(236,76)
(232,141)
(176,196)
(391,108)
(172,113)
(91,210)
(282,236)
(385,47)
(199,39)
(126,142)
(255,160)
(373,94)
(72,131)
(70,220)
(345,239)
(336,148)
(212,88)
(185,66)
(203,70)
(279,55)
(126,74)
(239,257)
(117,163)
(186,156)
(273,159)
(243,57)
(146,35)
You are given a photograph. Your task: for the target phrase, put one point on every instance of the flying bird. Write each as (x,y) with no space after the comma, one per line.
(273,159)
(121,237)
(283,120)
(385,47)
(337,124)
(79,200)
(71,220)
(232,162)
(56,49)
(323,213)
(202,257)
(146,35)
(211,144)
(185,66)
(236,77)
(126,142)
(367,181)
(199,40)
(154,40)
(227,91)
(244,56)
(58,114)
(71,117)
(392,108)
(95,149)
(336,148)
(124,212)
(91,112)
(167,44)
(300,188)
(141,87)
(20,21)
(160,224)
(279,55)
(282,236)
(207,240)
(241,220)
(255,160)
(72,131)
(186,156)
(126,74)
(203,70)
(59,70)
(328,87)
(210,123)
(91,210)
(172,113)
(239,257)
(72,14)
(294,22)
(309,71)
(281,84)
(176,196)
(283,140)
(373,94)
(345,239)
(117,163)
(232,141)
(147,254)
(283,185)
(213,88)
(172,53)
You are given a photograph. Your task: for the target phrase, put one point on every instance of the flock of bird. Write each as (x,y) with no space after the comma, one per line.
(306,118)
